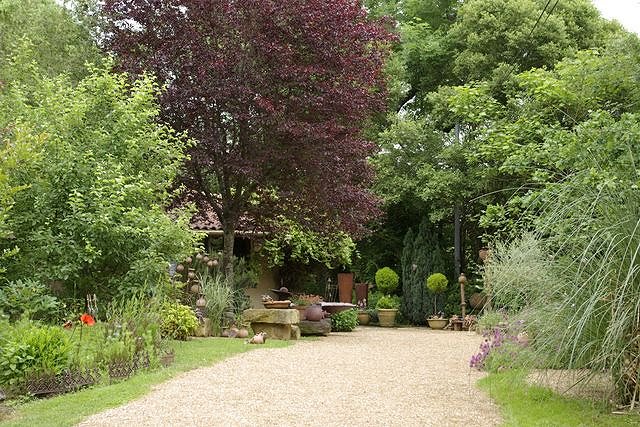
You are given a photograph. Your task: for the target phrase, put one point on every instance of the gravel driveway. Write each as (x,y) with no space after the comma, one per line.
(371,376)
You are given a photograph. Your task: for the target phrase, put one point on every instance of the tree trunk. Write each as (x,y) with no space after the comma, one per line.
(229,234)
(457,242)
(457,220)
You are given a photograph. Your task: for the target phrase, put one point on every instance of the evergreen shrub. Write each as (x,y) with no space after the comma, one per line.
(387,280)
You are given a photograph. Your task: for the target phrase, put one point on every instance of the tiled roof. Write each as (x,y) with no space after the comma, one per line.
(206,221)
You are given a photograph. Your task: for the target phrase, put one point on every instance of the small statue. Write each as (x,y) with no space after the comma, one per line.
(259,338)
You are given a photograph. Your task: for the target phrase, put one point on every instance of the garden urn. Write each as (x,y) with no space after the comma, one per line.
(314,313)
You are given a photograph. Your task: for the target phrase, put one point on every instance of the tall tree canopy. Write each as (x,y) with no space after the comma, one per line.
(276,94)
(58,43)
(483,44)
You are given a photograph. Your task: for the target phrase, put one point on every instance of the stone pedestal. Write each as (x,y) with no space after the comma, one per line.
(323,327)
(279,324)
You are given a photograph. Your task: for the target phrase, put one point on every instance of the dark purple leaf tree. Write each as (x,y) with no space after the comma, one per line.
(275,92)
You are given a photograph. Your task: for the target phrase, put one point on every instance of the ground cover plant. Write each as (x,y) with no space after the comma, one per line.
(69,409)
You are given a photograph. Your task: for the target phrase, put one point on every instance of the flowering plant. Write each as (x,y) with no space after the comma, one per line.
(503,348)
(87,319)
(362,304)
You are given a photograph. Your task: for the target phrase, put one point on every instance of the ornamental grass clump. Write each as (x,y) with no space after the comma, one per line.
(578,287)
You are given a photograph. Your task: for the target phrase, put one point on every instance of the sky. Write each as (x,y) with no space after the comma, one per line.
(627,12)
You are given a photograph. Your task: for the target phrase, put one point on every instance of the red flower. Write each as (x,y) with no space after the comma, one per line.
(87,319)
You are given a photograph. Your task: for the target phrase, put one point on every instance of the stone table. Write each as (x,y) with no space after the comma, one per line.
(279,324)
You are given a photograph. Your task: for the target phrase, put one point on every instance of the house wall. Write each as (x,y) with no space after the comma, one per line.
(268,280)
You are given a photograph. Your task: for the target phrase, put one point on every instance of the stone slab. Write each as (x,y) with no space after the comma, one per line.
(295,332)
(284,316)
(308,327)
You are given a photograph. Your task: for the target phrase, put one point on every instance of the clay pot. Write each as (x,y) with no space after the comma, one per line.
(363,318)
(314,313)
(195,289)
(437,323)
(205,259)
(180,267)
(302,309)
(242,333)
(199,257)
(387,317)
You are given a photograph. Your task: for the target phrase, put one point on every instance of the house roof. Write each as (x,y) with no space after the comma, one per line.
(206,220)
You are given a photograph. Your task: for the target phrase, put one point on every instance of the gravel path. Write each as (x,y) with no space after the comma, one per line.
(372,376)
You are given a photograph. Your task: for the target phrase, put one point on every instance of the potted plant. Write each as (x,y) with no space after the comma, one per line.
(303,301)
(363,315)
(387,282)
(387,308)
(437,283)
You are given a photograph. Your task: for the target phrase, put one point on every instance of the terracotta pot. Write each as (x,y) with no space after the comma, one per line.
(387,317)
(362,292)
(314,313)
(242,333)
(345,287)
(363,318)
(302,309)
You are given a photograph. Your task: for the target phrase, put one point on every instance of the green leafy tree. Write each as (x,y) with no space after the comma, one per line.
(292,242)
(480,43)
(92,211)
(387,280)
(58,40)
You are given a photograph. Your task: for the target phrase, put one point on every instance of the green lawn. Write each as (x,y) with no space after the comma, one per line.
(69,409)
(523,405)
